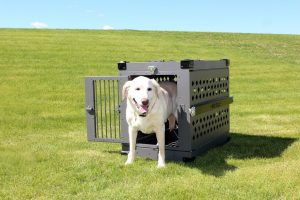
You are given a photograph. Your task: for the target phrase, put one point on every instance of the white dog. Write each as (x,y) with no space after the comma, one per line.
(149,106)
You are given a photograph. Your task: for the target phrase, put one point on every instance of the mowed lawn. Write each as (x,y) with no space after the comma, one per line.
(44,153)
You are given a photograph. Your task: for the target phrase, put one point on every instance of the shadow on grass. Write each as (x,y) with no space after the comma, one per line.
(242,147)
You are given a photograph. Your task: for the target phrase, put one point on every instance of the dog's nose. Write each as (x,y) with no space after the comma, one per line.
(145,102)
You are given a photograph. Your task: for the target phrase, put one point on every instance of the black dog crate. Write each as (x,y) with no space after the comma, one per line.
(203,107)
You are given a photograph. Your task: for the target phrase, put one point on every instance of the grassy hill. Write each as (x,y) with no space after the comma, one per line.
(44,153)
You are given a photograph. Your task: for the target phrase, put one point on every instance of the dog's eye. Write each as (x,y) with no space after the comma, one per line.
(137,89)
(149,89)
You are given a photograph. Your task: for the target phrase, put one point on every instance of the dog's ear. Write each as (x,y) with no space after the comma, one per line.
(157,88)
(125,89)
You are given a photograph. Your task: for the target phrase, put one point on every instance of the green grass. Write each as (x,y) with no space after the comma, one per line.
(44,153)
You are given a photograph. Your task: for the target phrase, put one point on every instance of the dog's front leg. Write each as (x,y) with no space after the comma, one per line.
(160,135)
(132,142)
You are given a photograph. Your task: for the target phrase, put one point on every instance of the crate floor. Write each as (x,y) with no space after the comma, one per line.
(171,138)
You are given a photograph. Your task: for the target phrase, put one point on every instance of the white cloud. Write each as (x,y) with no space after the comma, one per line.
(39,25)
(107,27)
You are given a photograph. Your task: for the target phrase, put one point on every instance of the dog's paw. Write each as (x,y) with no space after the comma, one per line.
(128,162)
(161,165)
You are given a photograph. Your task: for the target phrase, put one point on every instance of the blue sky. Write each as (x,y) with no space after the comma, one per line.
(252,16)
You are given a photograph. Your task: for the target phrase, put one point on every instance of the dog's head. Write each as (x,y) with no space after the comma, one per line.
(142,93)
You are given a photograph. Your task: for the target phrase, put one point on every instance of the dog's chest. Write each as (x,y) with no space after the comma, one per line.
(147,124)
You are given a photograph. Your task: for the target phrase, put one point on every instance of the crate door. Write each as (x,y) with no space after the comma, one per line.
(103,102)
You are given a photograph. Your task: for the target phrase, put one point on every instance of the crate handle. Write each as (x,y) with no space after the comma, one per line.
(152,69)
(204,107)
(192,111)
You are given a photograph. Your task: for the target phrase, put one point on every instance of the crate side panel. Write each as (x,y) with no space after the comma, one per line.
(207,85)
(210,125)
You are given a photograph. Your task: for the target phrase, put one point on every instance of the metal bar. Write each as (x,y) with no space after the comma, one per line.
(113,140)
(90,108)
(101,108)
(109,109)
(96,108)
(114,107)
(118,110)
(105,111)
(108,77)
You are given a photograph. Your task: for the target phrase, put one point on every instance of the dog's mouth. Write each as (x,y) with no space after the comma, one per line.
(143,109)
